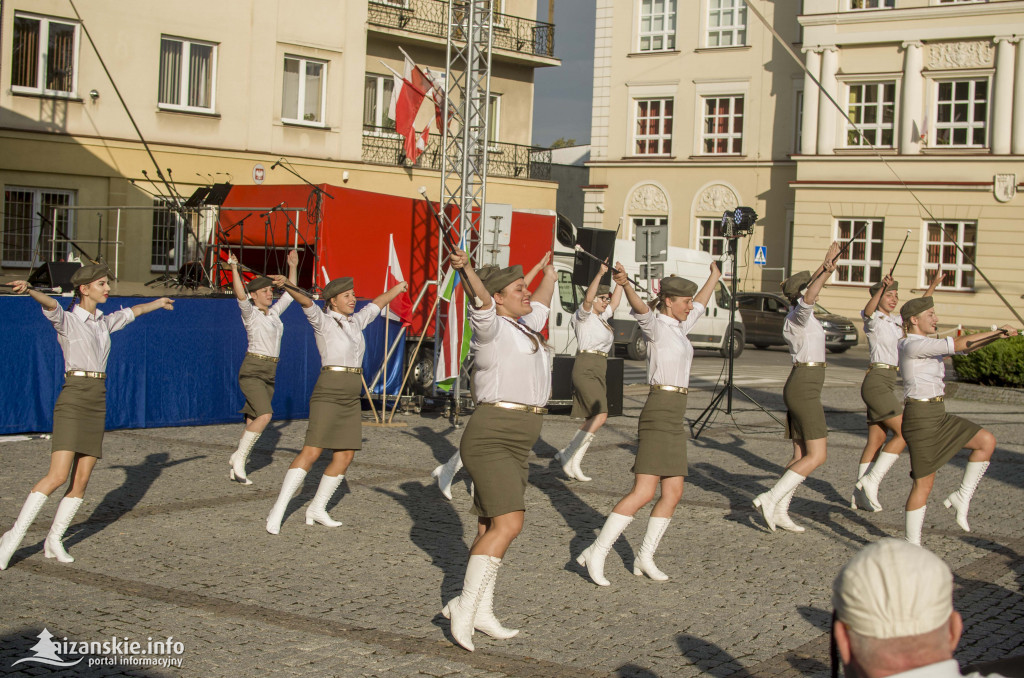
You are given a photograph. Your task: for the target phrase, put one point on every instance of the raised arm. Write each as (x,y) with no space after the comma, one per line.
(236,278)
(588,299)
(293,268)
(616,298)
(638,305)
(704,294)
(460,262)
(546,288)
(972,342)
(297,294)
(829,265)
(872,304)
(46,301)
(936,279)
(385,299)
(162,302)
(532,273)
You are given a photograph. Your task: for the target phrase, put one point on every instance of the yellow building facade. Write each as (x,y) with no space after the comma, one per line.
(220,92)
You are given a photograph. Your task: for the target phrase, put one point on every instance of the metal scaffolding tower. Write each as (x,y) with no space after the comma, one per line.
(464,140)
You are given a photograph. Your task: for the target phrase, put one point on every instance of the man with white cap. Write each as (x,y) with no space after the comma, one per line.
(894,613)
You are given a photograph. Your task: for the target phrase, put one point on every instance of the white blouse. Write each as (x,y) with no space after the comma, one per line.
(884,331)
(264,329)
(922,366)
(85,338)
(804,334)
(507,369)
(593,333)
(669,351)
(339,338)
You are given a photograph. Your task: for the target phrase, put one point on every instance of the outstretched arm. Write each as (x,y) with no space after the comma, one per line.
(972,342)
(162,302)
(460,262)
(236,279)
(616,298)
(872,304)
(532,273)
(297,294)
(46,301)
(385,299)
(546,288)
(704,294)
(638,305)
(588,300)
(293,268)
(829,265)
(936,279)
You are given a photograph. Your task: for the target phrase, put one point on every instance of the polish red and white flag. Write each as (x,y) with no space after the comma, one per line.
(400,307)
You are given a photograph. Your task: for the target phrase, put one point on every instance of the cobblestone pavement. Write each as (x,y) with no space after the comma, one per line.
(166,546)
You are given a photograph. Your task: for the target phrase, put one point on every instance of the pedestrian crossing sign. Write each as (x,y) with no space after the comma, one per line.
(761,255)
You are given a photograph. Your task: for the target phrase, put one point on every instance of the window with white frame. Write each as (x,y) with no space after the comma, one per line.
(168,230)
(187,74)
(657,25)
(710,238)
(961,113)
(722,132)
(872,108)
(943,239)
(727,23)
(872,4)
(28,239)
(798,136)
(304,90)
(376,101)
(44,55)
(861,264)
(636,222)
(494,119)
(653,134)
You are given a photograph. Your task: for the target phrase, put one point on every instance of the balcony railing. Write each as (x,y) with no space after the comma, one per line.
(430,17)
(384,147)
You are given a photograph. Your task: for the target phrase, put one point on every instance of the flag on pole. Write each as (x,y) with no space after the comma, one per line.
(400,307)
(407,97)
(456,333)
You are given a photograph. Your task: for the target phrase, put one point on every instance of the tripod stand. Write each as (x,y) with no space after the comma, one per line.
(726,391)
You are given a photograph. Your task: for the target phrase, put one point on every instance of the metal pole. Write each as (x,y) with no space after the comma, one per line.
(117,241)
(732,319)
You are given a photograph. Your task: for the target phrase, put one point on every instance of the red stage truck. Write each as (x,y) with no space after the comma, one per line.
(350,238)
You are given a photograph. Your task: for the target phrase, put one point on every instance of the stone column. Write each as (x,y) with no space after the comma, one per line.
(1018,104)
(826,110)
(911,99)
(1002,97)
(809,133)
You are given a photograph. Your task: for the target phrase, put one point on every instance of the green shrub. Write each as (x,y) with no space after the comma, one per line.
(1001,363)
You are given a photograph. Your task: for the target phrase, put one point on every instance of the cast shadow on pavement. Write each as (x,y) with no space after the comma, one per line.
(442,448)
(711,659)
(263,452)
(118,502)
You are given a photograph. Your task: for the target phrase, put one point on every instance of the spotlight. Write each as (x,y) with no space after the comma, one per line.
(738,222)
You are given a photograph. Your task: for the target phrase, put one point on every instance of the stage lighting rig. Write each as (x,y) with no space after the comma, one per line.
(738,222)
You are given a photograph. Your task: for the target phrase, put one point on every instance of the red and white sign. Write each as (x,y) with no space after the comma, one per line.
(259,173)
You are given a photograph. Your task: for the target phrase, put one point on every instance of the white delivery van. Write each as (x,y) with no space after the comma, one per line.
(710,332)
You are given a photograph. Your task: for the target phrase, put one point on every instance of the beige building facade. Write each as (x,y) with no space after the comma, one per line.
(698,109)
(220,90)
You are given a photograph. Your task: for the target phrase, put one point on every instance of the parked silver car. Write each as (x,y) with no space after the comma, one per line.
(764,314)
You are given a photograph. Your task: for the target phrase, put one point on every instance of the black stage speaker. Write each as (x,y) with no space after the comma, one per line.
(600,243)
(561,381)
(54,274)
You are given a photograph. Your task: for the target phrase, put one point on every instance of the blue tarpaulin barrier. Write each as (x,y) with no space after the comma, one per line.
(168,368)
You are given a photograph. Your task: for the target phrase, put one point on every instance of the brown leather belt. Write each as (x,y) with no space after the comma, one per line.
(83,373)
(259,356)
(532,409)
(339,368)
(937,399)
(600,353)
(884,366)
(672,389)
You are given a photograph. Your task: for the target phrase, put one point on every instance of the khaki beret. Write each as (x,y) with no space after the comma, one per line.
(794,284)
(89,274)
(337,286)
(604,289)
(915,306)
(893,589)
(258,283)
(497,280)
(674,286)
(877,286)
(483,273)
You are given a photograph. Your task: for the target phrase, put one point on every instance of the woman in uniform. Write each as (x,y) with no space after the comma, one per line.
(79,417)
(511,386)
(262,320)
(661,452)
(335,415)
(805,417)
(445,473)
(884,329)
(933,436)
(594,341)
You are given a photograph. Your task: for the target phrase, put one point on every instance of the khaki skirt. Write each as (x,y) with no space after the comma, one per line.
(662,435)
(256,379)
(335,413)
(80,416)
(805,418)
(933,437)
(878,391)
(494,450)
(589,385)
